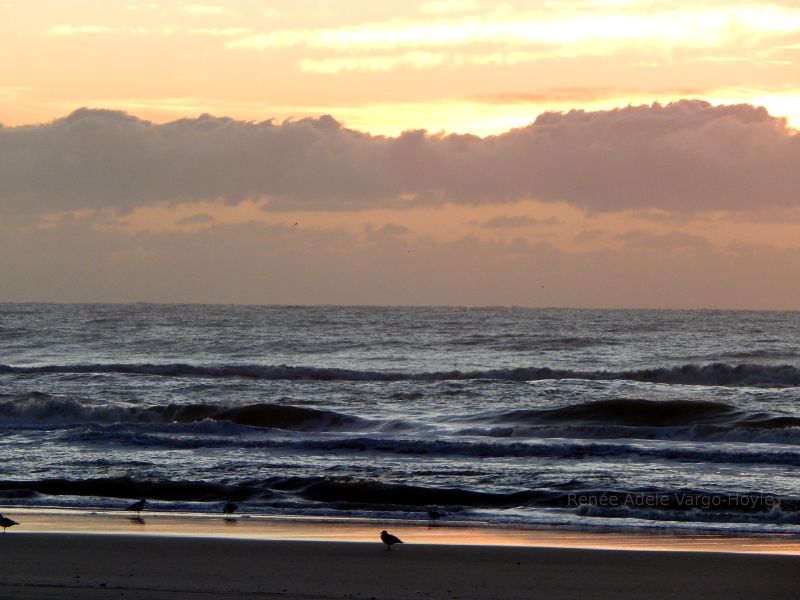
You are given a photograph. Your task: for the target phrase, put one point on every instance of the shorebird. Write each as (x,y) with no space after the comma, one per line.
(228,510)
(6,522)
(137,506)
(389,539)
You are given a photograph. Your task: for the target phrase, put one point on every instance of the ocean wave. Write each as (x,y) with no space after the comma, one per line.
(527,343)
(687,506)
(637,412)
(689,420)
(361,493)
(128,487)
(775,516)
(39,408)
(762,354)
(629,419)
(550,449)
(689,433)
(717,374)
(546,449)
(329,490)
(348,495)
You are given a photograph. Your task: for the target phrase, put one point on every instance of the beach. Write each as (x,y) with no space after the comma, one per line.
(78,566)
(69,554)
(517,453)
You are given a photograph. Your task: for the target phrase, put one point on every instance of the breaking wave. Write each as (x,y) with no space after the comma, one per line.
(719,374)
(370,445)
(353,496)
(636,412)
(38,408)
(688,420)
(633,419)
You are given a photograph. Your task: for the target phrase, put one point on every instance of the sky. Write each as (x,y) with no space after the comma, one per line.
(576,153)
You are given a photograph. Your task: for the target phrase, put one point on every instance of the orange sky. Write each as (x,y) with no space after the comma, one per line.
(381,68)
(457,65)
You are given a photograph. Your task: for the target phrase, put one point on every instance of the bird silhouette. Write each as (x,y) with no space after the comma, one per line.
(137,506)
(228,510)
(6,522)
(389,539)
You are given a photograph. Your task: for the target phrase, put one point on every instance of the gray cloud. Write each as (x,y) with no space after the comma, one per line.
(589,235)
(198,219)
(512,222)
(687,157)
(394,229)
(674,240)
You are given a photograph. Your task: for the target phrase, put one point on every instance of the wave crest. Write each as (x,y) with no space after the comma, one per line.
(627,411)
(39,408)
(719,374)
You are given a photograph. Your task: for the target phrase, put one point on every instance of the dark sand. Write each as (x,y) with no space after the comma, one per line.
(58,566)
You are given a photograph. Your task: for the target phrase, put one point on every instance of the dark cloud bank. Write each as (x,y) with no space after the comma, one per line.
(687,156)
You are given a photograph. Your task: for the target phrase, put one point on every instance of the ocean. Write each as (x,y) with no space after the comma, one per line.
(587,419)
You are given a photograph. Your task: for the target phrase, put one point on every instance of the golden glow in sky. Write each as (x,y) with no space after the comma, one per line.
(463,66)
(650,175)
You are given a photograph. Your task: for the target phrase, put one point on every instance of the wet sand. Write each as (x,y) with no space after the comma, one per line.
(246,526)
(78,566)
(76,554)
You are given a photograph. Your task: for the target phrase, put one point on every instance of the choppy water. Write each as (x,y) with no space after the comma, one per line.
(666,419)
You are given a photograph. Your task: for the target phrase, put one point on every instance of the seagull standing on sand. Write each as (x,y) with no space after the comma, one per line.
(389,539)
(137,506)
(6,522)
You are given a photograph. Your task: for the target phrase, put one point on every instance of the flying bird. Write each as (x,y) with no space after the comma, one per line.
(389,539)
(6,522)
(137,506)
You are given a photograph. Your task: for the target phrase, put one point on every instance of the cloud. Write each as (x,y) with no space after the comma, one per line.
(219,31)
(394,229)
(262,264)
(70,31)
(657,33)
(12,92)
(589,235)
(584,32)
(73,30)
(675,241)
(518,221)
(205,10)
(412,60)
(198,219)
(687,156)
(441,7)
